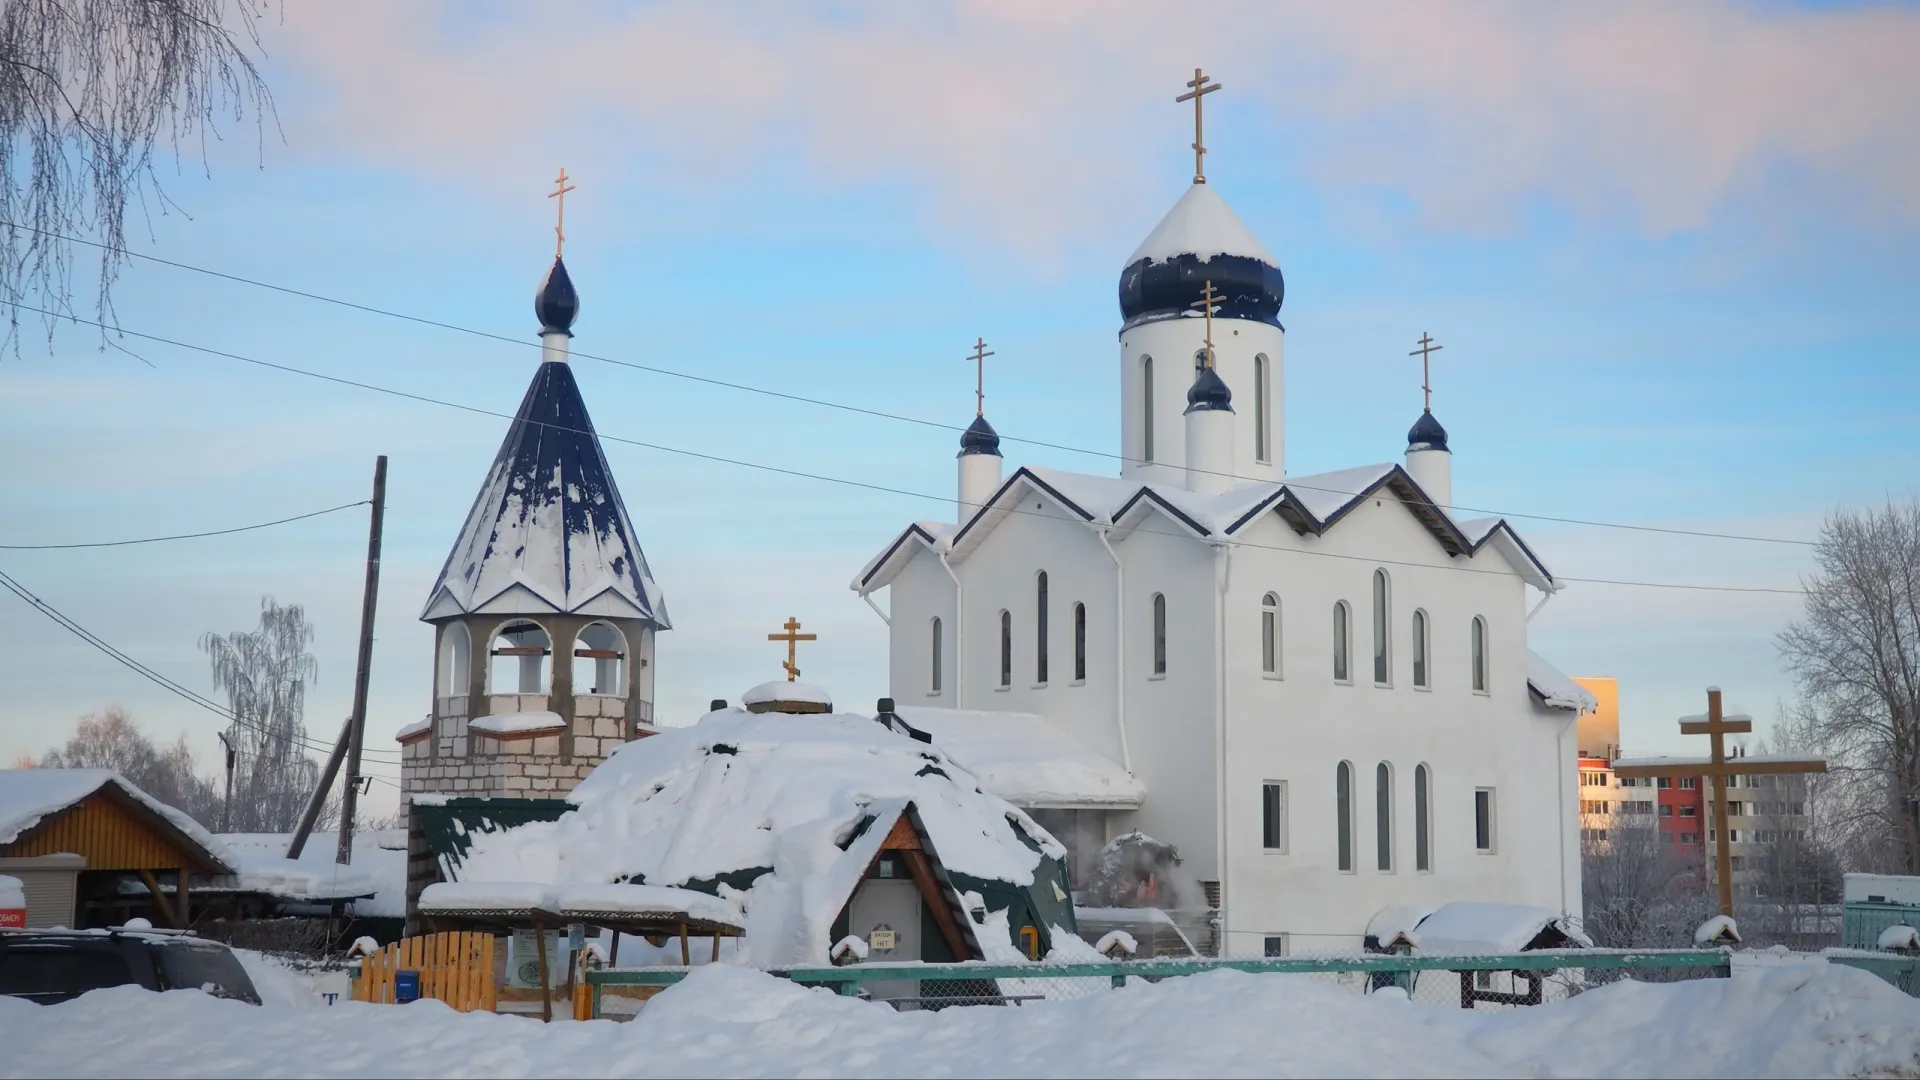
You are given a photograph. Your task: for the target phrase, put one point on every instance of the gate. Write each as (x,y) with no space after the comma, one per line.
(455,967)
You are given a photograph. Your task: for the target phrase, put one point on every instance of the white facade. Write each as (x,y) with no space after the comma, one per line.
(1161,594)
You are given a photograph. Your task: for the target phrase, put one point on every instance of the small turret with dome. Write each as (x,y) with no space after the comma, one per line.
(979,458)
(1429,460)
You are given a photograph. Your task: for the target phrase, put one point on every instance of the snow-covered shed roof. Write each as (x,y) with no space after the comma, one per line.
(548,531)
(376,880)
(1024,759)
(1473,928)
(1554,689)
(774,811)
(617,903)
(29,796)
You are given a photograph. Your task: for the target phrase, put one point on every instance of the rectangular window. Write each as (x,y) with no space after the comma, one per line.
(1686,837)
(1273,815)
(1687,783)
(1689,811)
(1040,629)
(1276,945)
(1736,809)
(1483,834)
(1664,782)
(1666,837)
(1666,811)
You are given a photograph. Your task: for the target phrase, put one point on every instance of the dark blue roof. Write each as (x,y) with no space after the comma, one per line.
(979,438)
(1209,393)
(1427,434)
(556,303)
(1244,287)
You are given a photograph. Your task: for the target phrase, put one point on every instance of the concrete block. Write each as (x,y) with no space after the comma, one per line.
(607,727)
(542,783)
(586,748)
(547,745)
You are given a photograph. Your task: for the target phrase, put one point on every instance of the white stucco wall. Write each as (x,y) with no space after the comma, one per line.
(1172,343)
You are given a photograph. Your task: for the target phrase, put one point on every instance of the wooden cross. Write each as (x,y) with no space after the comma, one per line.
(791,637)
(561,187)
(1200,88)
(1208,300)
(1717,768)
(979,358)
(1427,347)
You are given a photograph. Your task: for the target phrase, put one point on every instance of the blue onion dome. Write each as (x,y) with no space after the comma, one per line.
(1200,240)
(557,304)
(979,438)
(1427,434)
(1209,393)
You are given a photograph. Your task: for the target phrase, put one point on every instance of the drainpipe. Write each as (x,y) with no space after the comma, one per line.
(959,634)
(1119,648)
(1222,574)
(1544,597)
(868,597)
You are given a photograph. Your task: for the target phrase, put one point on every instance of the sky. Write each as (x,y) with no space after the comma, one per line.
(1669,251)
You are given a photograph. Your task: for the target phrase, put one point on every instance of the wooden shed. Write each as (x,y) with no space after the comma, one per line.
(92,849)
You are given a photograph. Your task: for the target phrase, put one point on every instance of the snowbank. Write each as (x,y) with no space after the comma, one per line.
(1807,1020)
(376,880)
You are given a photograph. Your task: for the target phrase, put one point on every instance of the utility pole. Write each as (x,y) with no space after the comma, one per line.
(357,723)
(226,804)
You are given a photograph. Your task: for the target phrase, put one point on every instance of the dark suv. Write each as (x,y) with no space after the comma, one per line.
(46,966)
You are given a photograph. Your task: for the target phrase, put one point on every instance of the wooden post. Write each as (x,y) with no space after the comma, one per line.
(613,954)
(180,901)
(686,960)
(716,947)
(546,991)
(1723,844)
(350,792)
(159,898)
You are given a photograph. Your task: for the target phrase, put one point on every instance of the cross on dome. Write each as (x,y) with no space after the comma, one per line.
(1200,88)
(792,637)
(561,187)
(979,358)
(1207,302)
(1427,347)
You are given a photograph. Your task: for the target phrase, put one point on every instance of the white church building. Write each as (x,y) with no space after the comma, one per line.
(1321,684)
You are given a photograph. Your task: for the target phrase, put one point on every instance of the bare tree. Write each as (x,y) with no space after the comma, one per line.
(1636,890)
(264,674)
(88,90)
(110,739)
(1855,655)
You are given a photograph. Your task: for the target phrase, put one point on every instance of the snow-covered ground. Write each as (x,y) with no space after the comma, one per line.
(1800,1020)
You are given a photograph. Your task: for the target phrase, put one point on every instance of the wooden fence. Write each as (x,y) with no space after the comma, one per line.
(455,967)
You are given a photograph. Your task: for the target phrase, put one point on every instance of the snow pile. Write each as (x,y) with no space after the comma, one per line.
(1394,925)
(13,894)
(28,795)
(1116,939)
(517,723)
(1893,937)
(1024,759)
(1807,1020)
(1469,928)
(277,981)
(376,880)
(1200,223)
(1716,931)
(780,690)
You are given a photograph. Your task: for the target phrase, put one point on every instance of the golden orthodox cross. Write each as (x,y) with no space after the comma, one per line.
(1717,768)
(1427,347)
(1200,89)
(979,358)
(792,636)
(1208,298)
(561,187)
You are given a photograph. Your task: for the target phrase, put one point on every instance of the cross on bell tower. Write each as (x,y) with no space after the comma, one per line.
(791,637)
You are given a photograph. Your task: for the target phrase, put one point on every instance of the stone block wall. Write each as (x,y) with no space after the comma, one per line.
(450,759)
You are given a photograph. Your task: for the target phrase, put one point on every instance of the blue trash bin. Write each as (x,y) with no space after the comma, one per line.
(406,987)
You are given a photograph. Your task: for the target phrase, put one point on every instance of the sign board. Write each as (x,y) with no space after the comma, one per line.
(13,918)
(523,959)
(882,940)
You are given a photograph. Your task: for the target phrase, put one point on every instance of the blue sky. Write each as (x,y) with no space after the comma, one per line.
(1670,255)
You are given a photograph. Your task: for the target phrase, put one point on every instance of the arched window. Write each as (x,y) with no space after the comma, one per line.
(1006,648)
(933,680)
(1146,407)
(1199,361)
(1262,442)
(1383,816)
(1420,650)
(519,660)
(1382,668)
(1270,634)
(1342,641)
(1159,634)
(1479,655)
(1343,813)
(1422,819)
(456,651)
(600,661)
(1040,627)
(1079,643)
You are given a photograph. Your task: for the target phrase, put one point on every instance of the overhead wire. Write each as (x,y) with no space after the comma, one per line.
(183,536)
(842,406)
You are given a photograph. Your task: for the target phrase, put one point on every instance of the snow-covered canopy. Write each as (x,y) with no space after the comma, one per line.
(1472,928)
(1555,689)
(548,531)
(28,796)
(1024,759)
(376,880)
(1201,224)
(622,902)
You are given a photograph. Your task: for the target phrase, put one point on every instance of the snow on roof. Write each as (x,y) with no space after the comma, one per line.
(29,795)
(418,727)
(1398,920)
(548,531)
(376,880)
(1024,759)
(628,900)
(13,894)
(1555,688)
(517,723)
(1472,928)
(1719,929)
(1200,223)
(785,690)
(1897,936)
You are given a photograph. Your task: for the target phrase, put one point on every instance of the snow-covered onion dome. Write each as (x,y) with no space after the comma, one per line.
(1201,239)
(556,302)
(1429,461)
(784,696)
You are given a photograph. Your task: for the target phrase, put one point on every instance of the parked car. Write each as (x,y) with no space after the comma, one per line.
(48,966)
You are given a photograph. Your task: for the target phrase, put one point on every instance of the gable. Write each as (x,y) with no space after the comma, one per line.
(114,831)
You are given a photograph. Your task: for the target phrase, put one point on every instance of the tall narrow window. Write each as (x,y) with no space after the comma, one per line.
(1342,641)
(1146,407)
(933,682)
(1273,815)
(1483,834)
(1383,816)
(1270,634)
(1261,436)
(1159,634)
(1006,648)
(1040,628)
(1420,649)
(1382,671)
(1479,655)
(1079,643)
(1343,813)
(1422,823)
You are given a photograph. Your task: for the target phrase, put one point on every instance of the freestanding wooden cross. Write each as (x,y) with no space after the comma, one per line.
(792,636)
(1716,769)
(561,187)
(979,358)
(1201,88)
(1208,299)
(1427,347)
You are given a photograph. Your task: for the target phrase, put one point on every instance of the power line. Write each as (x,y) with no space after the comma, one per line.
(864,485)
(181,536)
(842,406)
